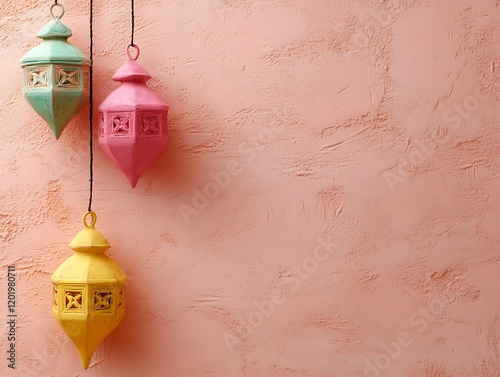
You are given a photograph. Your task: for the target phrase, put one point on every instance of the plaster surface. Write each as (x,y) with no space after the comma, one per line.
(328,204)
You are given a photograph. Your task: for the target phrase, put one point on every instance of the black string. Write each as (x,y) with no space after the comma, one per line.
(55,2)
(133,23)
(91,101)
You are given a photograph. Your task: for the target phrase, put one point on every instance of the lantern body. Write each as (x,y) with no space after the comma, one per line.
(56,77)
(89,292)
(133,122)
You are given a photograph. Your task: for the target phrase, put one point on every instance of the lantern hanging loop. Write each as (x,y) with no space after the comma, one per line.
(137,52)
(61,8)
(93,219)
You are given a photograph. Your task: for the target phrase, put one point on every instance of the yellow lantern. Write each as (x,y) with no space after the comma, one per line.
(89,291)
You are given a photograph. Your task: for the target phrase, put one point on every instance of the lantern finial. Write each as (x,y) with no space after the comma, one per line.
(89,239)
(131,70)
(54,29)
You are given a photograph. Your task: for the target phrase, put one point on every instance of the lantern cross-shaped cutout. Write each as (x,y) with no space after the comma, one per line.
(103,300)
(151,126)
(121,125)
(68,78)
(73,300)
(38,78)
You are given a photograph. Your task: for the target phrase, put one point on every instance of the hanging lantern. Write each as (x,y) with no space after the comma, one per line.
(56,80)
(89,291)
(133,121)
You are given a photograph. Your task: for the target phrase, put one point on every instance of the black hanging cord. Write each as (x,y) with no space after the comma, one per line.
(55,2)
(133,23)
(91,101)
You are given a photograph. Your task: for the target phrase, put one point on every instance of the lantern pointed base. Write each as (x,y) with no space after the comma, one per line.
(133,180)
(86,358)
(88,332)
(133,158)
(84,336)
(57,109)
(56,130)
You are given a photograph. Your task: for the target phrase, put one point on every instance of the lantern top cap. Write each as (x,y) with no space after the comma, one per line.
(55,48)
(131,70)
(55,28)
(89,239)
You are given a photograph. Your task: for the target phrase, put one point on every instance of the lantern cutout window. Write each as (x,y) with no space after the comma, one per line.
(56,81)
(133,121)
(88,291)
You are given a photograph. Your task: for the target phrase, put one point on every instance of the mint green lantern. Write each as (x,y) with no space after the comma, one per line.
(56,75)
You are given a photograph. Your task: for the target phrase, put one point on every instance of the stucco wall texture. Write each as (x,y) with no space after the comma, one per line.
(328,204)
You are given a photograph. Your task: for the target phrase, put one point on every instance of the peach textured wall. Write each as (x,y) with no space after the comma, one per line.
(349,151)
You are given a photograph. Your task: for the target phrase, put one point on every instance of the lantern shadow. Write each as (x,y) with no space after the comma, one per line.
(174,168)
(138,340)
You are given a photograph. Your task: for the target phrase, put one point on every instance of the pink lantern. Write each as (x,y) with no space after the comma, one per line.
(133,121)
